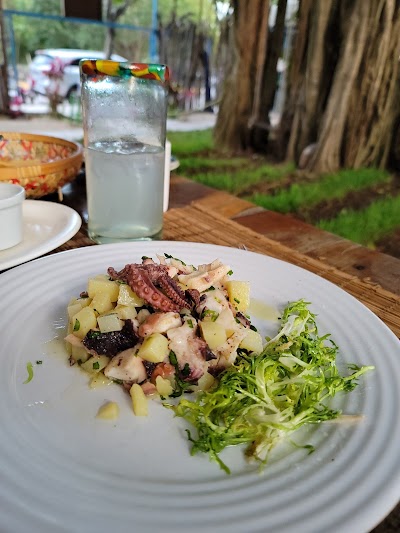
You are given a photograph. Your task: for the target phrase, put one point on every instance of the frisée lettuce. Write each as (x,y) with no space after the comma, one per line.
(264,397)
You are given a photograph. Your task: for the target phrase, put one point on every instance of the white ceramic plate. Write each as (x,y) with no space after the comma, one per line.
(46,225)
(63,470)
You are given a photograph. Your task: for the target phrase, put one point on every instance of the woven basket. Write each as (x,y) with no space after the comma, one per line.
(40,164)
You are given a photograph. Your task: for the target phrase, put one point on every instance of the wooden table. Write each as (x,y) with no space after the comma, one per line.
(201,214)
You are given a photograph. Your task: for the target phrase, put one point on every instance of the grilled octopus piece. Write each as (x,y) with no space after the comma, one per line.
(146,280)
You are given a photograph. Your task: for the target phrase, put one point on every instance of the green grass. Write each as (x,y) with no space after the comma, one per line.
(368,225)
(237,180)
(329,186)
(233,174)
(190,142)
(192,164)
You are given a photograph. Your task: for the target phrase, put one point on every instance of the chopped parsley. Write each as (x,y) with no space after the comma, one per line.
(209,313)
(96,365)
(236,300)
(230,273)
(39,362)
(93,334)
(186,370)
(181,386)
(167,256)
(190,323)
(77,325)
(29,369)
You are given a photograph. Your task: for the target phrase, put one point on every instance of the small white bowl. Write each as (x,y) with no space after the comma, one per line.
(11,198)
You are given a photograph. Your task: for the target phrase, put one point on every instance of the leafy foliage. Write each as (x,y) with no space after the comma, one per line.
(33,34)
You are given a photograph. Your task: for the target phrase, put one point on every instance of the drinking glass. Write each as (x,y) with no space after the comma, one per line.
(124,108)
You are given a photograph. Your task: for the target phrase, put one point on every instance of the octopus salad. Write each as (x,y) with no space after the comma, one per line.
(164,328)
(160,328)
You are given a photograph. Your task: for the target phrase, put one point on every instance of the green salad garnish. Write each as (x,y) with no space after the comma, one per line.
(29,369)
(265,397)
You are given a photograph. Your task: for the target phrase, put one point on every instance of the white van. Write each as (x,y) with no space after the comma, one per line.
(44,60)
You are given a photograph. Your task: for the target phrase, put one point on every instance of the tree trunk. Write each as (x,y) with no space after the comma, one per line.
(269,80)
(113,14)
(241,93)
(376,92)
(310,74)
(4,98)
(343,84)
(109,43)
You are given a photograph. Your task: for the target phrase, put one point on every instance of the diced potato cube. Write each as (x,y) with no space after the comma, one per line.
(213,333)
(101,303)
(83,302)
(78,353)
(205,382)
(125,312)
(139,400)
(108,411)
(239,294)
(83,321)
(127,296)
(154,348)
(109,323)
(163,386)
(72,309)
(95,364)
(99,380)
(227,321)
(142,315)
(102,284)
(68,348)
(76,304)
(252,342)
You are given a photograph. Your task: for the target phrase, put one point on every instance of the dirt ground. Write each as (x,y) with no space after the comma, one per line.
(390,245)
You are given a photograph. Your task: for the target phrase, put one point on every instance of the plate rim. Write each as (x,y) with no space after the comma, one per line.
(47,245)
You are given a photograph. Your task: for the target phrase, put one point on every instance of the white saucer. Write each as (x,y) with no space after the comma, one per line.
(46,225)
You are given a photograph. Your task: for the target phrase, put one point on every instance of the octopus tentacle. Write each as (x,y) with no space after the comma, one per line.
(139,281)
(154,270)
(144,288)
(146,277)
(194,296)
(114,274)
(173,291)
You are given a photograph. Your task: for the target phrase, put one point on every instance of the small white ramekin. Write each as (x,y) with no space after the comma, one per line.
(11,198)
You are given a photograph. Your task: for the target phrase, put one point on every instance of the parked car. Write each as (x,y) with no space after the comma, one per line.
(45,61)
